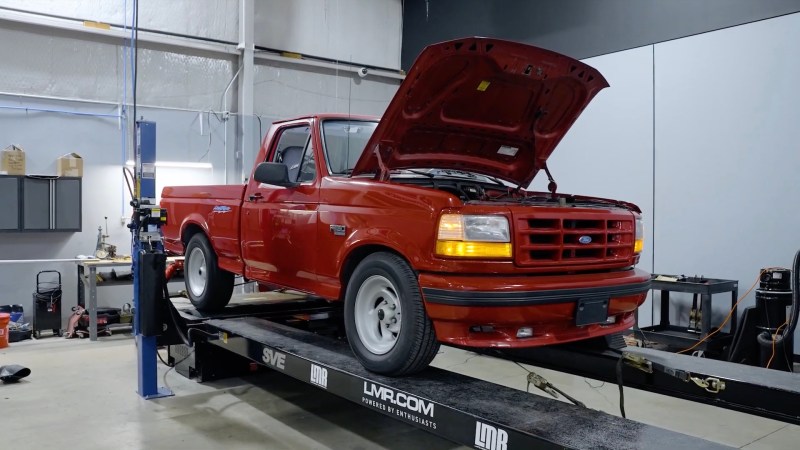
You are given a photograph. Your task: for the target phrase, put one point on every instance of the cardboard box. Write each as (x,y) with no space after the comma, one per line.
(12,161)
(70,165)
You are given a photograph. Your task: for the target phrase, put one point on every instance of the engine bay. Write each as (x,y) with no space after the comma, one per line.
(471,191)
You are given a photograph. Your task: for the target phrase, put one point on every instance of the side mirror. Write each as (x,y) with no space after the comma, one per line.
(273,173)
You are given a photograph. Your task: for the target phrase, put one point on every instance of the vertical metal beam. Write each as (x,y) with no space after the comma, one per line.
(146,346)
(244,124)
(92,303)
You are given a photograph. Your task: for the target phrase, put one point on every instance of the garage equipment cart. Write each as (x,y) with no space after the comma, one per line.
(47,303)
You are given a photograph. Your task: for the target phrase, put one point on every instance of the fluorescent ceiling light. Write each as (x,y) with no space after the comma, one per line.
(179,164)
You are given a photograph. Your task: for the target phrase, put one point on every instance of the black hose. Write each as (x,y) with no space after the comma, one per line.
(176,322)
(736,350)
(620,384)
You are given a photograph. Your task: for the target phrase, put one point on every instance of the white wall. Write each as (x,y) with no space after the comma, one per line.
(702,133)
(363,31)
(41,62)
(216,19)
(728,151)
(282,90)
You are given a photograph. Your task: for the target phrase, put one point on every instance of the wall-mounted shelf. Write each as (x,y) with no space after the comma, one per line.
(40,203)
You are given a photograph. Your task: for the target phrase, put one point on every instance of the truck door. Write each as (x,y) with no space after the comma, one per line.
(279,225)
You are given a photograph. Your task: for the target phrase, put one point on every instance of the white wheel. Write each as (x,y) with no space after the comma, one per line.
(385,319)
(378,314)
(196,272)
(209,287)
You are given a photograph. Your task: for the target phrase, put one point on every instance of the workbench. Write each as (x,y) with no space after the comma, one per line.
(87,285)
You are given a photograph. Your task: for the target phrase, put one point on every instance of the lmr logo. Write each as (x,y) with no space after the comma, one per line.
(488,437)
(319,376)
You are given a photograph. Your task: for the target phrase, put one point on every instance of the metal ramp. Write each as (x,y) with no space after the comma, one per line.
(456,407)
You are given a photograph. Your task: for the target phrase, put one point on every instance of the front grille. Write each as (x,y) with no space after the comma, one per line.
(578,240)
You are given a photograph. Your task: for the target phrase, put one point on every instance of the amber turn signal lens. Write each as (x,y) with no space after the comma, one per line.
(468,249)
(638,244)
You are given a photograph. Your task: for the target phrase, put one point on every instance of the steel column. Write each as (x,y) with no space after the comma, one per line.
(244,129)
(146,347)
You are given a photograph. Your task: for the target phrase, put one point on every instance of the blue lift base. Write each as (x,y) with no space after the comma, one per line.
(162,392)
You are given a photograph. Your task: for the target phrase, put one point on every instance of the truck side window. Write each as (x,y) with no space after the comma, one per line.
(308,166)
(290,147)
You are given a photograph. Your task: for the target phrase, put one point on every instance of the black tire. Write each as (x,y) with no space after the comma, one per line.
(415,343)
(210,288)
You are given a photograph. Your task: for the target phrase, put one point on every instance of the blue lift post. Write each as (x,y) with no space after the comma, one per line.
(146,238)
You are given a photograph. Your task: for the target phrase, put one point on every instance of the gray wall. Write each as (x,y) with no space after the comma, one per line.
(213,19)
(579,28)
(366,32)
(727,154)
(45,62)
(702,133)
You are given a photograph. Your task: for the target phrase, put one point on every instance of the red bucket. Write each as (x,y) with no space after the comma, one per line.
(4,319)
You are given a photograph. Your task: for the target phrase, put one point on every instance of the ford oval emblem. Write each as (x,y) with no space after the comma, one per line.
(585,239)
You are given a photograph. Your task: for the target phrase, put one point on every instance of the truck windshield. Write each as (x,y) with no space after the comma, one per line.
(344,141)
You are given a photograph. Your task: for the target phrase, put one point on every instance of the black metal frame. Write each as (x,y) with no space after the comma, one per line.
(303,339)
(754,390)
(45,319)
(679,337)
(456,407)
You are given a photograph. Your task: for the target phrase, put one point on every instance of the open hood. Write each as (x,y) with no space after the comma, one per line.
(482,105)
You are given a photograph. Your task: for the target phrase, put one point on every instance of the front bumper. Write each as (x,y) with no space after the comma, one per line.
(487,311)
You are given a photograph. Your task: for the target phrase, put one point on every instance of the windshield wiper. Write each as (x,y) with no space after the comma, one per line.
(419,172)
(454,172)
(416,172)
(496,180)
(433,173)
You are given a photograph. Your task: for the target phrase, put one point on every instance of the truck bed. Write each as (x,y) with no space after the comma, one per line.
(218,192)
(213,208)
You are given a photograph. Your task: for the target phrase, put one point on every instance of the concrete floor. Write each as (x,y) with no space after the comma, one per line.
(81,394)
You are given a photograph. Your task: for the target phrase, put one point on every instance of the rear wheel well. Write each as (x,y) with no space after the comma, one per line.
(356,256)
(188,232)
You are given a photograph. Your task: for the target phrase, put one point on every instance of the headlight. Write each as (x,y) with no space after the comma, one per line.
(638,244)
(473,236)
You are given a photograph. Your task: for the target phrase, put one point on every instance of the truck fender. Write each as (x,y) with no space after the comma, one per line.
(367,241)
(194,220)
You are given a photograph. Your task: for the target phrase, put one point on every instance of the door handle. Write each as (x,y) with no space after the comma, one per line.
(256,196)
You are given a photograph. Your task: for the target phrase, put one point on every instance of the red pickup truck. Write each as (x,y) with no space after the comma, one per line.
(419,222)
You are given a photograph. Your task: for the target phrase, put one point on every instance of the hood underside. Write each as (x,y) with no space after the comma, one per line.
(482,105)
